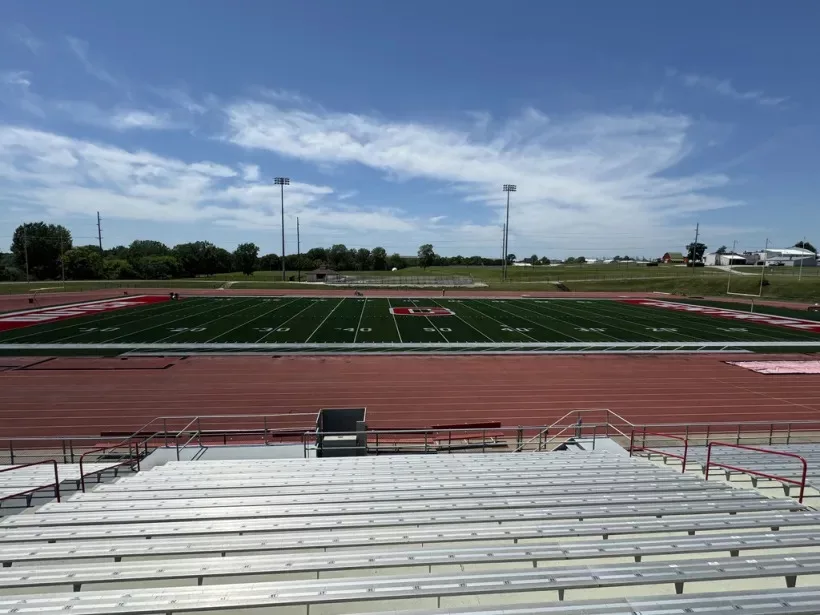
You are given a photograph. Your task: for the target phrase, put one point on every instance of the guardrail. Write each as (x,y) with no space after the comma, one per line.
(643,446)
(790,481)
(29,492)
(133,458)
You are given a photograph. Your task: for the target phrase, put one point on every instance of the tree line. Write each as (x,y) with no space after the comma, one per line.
(47,252)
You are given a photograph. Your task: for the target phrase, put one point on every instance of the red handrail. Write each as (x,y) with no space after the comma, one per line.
(643,447)
(56,484)
(114,465)
(801,482)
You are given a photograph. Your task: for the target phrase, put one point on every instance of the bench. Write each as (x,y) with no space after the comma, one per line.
(201,569)
(388,508)
(120,491)
(169,545)
(82,504)
(434,586)
(13,531)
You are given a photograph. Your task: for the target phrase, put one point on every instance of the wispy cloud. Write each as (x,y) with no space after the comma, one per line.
(607,173)
(15,91)
(80,48)
(23,36)
(60,176)
(724,87)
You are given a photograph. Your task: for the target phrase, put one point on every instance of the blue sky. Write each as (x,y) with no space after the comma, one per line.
(622,123)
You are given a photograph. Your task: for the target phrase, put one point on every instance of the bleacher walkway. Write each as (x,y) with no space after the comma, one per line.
(539,533)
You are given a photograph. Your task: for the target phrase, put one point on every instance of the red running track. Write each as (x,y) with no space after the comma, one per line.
(87,397)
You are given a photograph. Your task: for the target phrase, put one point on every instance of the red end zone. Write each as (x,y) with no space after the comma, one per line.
(767,319)
(16,320)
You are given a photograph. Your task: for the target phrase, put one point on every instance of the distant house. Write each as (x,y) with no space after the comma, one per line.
(320,275)
(676,258)
(725,259)
(789,257)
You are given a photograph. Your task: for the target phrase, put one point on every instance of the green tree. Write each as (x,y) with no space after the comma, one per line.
(722,250)
(695,251)
(245,256)
(156,267)
(511,258)
(545,260)
(570,260)
(338,258)
(223,260)
(363,259)
(396,261)
(147,247)
(581,260)
(317,257)
(270,262)
(44,245)
(426,255)
(806,245)
(197,258)
(84,263)
(379,255)
(534,259)
(118,269)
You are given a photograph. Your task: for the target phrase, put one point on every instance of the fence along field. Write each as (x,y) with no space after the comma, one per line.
(361,324)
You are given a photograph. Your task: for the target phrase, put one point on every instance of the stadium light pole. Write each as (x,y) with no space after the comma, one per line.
(507,188)
(282,182)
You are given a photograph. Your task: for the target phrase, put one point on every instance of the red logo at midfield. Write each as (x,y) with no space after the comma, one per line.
(421,311)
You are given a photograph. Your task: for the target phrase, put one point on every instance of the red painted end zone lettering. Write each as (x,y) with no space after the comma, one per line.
(421,311)
(16,320)
(798,324)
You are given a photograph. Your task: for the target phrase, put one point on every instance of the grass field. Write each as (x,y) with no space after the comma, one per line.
(782,282)
(306,324)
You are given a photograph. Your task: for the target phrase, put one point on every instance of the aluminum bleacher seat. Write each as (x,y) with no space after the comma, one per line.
(390,533)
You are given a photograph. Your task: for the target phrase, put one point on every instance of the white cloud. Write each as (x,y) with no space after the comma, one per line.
(15,91)
(724,87)
(61,175)
(80,49)
(250,172)
(437,219)
(608,175)
(22,35)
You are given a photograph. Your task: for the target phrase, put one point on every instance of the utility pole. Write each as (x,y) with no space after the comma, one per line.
(298,252)
(503,249)
(695,248)
(507,188)
(282,182)
(800,273)
(731,260)
(25,251)
(99,231)
(62,258)
(763,268)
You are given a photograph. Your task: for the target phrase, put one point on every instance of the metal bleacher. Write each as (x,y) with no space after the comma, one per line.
(535,532)
(748,461)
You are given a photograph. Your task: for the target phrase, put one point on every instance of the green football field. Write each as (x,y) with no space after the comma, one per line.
(443,325)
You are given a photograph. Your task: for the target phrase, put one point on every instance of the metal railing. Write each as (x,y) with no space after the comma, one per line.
(30,491)
(644,448)
(790,481)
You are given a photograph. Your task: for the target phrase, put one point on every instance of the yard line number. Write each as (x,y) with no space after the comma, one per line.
(273,329)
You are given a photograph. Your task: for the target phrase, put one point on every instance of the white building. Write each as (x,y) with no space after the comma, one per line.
(788,257)
(724,259)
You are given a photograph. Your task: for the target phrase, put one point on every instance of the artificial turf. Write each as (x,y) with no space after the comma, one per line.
(282,324)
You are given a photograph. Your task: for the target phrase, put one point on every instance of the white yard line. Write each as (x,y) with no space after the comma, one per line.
(282,324)
(537,324)
(341,301)
(432,325)
(359,324)
(498,321)
(279,307)
(479,331)
(390,308)
(567,323)
(212,320)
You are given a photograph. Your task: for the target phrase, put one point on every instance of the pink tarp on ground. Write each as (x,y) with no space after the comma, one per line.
(780,367)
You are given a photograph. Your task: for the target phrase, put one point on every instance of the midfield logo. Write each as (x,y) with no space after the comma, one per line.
(421,311)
